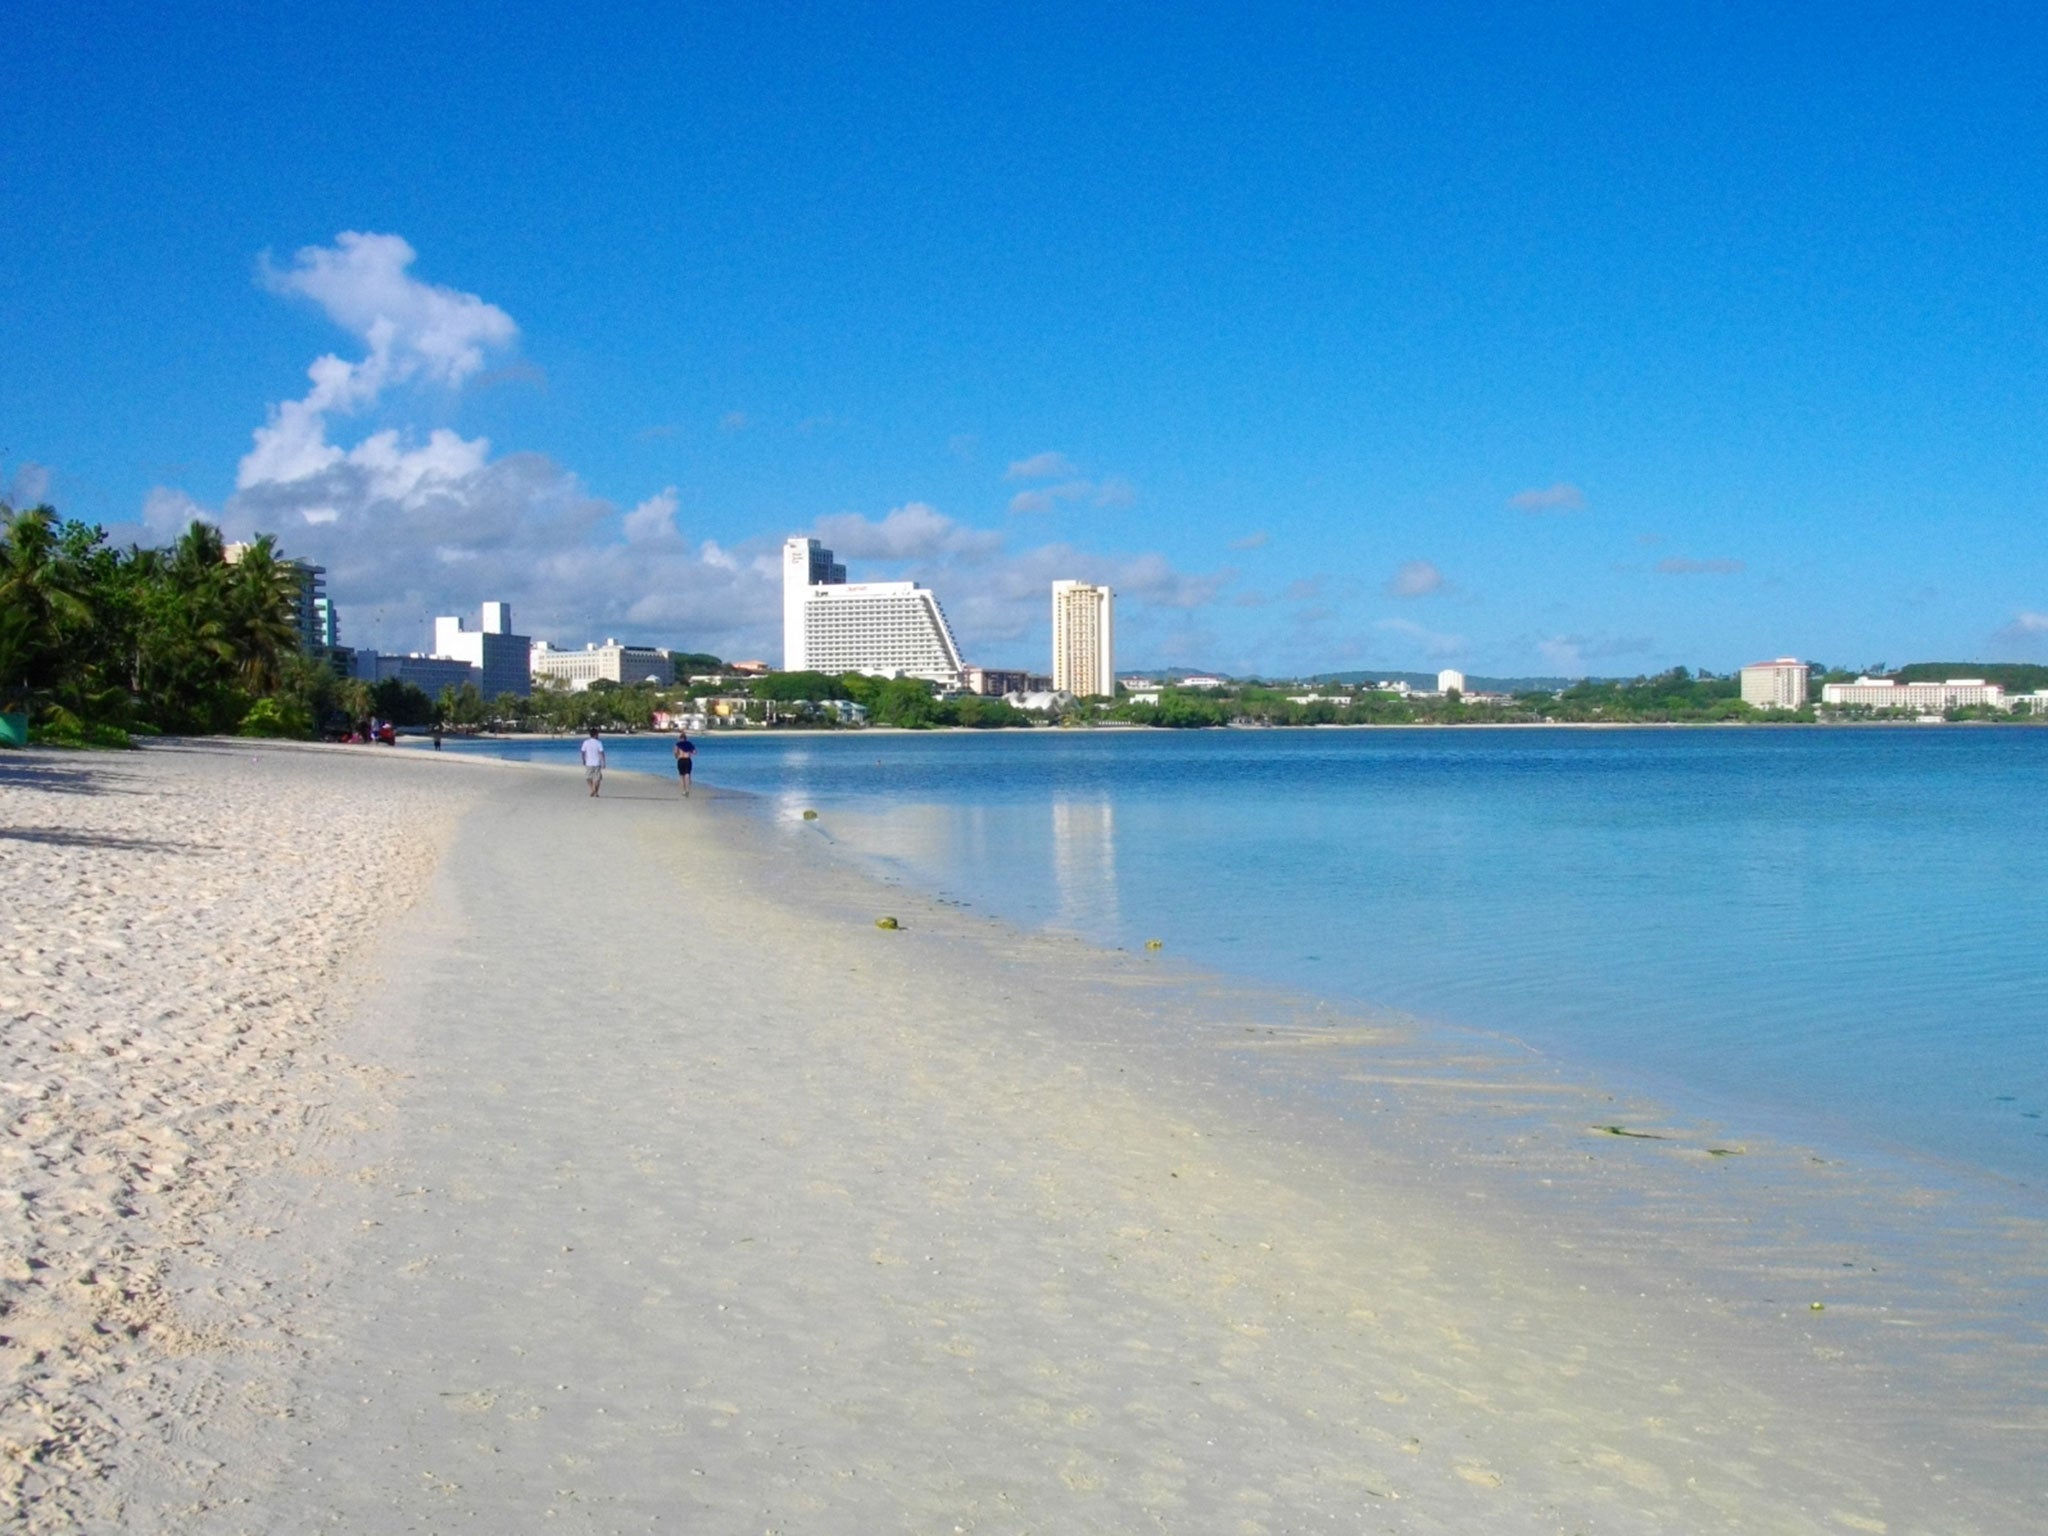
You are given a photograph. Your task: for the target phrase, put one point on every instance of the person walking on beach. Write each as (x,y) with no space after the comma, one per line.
(593,762)
(686,749)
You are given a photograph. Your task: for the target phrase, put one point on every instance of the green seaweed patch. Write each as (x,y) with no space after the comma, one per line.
(1726,1151)
(1622,1130)
(888,923)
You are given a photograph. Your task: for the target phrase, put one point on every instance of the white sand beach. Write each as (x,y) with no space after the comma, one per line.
(398,1142)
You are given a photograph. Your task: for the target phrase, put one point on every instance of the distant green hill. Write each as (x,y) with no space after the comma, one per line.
(2012,676)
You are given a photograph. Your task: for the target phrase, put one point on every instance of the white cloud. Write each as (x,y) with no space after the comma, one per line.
(735,421)
(1560,497)
(409,528)
(167,513)
(410,326)
(2027,631)
(412,329)
(28,486)
(654,520)
(914,531)
(1435,644)
(1416,578)
(1678,565)
(1042,466)
(1257,540)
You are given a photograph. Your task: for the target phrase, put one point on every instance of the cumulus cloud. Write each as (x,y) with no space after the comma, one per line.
(1416,578)
(654,520)
(1678,565)
(1560,497)
(1042,466)
(362,282)
(2028,631)
(914,531)
(1435,644)
(411,526)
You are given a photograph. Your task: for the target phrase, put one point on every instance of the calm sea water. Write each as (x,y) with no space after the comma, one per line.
(1837,932)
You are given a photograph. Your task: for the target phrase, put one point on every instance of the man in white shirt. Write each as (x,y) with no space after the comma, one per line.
(593,762)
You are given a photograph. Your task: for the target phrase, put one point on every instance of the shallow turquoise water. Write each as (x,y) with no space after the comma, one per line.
(1834,933)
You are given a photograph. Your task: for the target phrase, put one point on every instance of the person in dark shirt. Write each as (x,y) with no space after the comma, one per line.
(686,749)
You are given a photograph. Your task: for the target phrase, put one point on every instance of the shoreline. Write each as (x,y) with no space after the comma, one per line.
(772,1148)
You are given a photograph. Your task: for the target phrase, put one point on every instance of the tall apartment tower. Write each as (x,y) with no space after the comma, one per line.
(887,628)
(1780,684)
(1083,638)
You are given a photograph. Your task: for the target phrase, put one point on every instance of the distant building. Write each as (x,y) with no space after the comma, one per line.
(995,682)
(610,662)
(1202,680)
(1042,700)
(1780,684)
(502,659)
(1083,638)
(319,626)
(1448,679)
(749,668)
(884,628)
(1923,698)
(429,674)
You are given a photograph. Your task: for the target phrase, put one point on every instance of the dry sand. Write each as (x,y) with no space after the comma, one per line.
(647,1185)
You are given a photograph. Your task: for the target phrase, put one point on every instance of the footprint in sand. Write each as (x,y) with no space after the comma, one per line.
(1479,1476)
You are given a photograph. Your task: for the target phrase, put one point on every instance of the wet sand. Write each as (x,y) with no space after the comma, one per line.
(629,1178)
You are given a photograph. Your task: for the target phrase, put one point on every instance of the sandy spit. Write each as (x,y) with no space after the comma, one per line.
(626,1177)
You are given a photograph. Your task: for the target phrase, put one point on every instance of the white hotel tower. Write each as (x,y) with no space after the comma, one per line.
(889,628)
(1083,638)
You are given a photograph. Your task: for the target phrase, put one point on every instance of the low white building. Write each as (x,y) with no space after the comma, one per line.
(1041,701)
(611,662)
(1922,698)
(1781,684)
(1199,680)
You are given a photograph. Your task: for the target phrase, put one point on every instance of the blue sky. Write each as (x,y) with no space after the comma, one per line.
(1554,338)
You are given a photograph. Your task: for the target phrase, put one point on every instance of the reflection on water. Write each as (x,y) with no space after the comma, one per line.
(1084,867)
(1843,926)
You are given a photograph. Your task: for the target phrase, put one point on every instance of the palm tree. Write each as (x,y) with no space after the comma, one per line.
(261,610)
(38,597)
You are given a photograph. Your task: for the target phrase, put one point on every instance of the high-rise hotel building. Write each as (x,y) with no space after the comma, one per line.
(1780,684)
(888,628)
(1083,638)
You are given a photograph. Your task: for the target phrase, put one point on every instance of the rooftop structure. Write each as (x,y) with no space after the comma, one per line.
(1781,684)
(885,628)
(500,657)
(1083,638)
(610,662)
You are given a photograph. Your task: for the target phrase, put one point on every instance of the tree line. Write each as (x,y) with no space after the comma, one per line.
(98,643)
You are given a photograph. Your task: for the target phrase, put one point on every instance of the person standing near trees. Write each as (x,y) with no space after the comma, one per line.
(686,751)
(593,761)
